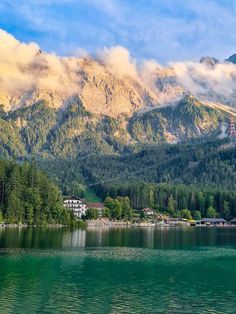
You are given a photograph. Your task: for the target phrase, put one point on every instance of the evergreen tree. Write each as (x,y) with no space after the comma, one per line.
(28,196)
(197,215)
(211,212)
(171,206)
(226,210)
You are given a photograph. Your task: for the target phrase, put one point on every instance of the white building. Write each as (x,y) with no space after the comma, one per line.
(148,211)
(76,205)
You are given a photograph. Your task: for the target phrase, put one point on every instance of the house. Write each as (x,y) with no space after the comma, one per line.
(213,221)
(98,206)
(148,211)
(76,205)
(233,221)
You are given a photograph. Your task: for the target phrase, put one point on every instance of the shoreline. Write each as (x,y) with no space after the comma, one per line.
(101,223)
(105,223)
(4,226)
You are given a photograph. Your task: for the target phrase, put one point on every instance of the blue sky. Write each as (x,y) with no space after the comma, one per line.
(165,30)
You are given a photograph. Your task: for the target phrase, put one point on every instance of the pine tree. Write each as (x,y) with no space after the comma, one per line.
(171,206)
(226,210)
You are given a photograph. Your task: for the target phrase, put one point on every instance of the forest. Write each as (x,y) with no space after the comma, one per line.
(27,196)
(194,176)
(95,157)
(174,199)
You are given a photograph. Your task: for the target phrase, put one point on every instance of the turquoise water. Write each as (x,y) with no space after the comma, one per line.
(125,270)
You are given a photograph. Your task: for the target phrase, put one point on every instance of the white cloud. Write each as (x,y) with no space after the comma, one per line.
(23,68)
(201,79)
(164,30)
(118,61)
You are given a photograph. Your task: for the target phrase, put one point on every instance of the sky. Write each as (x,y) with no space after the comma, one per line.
(164,30)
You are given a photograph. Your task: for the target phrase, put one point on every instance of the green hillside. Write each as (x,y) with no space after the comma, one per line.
(86,154)
(74,132)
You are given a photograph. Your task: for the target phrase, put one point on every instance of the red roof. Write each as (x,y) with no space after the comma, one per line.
(95,205)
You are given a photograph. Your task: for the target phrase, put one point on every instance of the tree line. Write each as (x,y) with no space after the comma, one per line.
(118,208)
(177,200)
(28,196)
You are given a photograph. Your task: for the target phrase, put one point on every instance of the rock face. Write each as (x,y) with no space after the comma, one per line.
(103,93)
(210,61)
(100,91)
(35,76)
(107,87)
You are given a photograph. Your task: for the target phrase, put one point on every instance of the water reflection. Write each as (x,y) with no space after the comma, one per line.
(118,270)
(153,238)
(74,239)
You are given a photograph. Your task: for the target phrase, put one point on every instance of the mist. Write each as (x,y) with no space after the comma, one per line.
(24,68)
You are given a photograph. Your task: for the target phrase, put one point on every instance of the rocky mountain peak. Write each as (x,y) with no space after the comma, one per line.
(209,61)
(231,59)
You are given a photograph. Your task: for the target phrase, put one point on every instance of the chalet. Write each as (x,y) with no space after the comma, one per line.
(76,205)
(213,221)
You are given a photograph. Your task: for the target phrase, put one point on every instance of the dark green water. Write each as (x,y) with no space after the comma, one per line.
(189,270)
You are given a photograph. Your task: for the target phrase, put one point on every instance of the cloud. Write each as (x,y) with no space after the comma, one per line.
(160,81)
(40,20)
(163,30)
(13,56)
(118,61)
(25,68)
(200,79)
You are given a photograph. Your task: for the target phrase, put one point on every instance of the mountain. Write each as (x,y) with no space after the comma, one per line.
(210,61)
(74,131)
(101,92)
(209,163)
(83,151)
(83,106)
(207,167)
(187,120)
(232,59)
(81,117)
(109,84)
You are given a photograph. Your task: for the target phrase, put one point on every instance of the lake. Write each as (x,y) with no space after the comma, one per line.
(119,270)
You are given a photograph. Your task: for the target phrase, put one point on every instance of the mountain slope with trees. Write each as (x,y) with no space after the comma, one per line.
(74,132)
(81,150)
(194,176)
